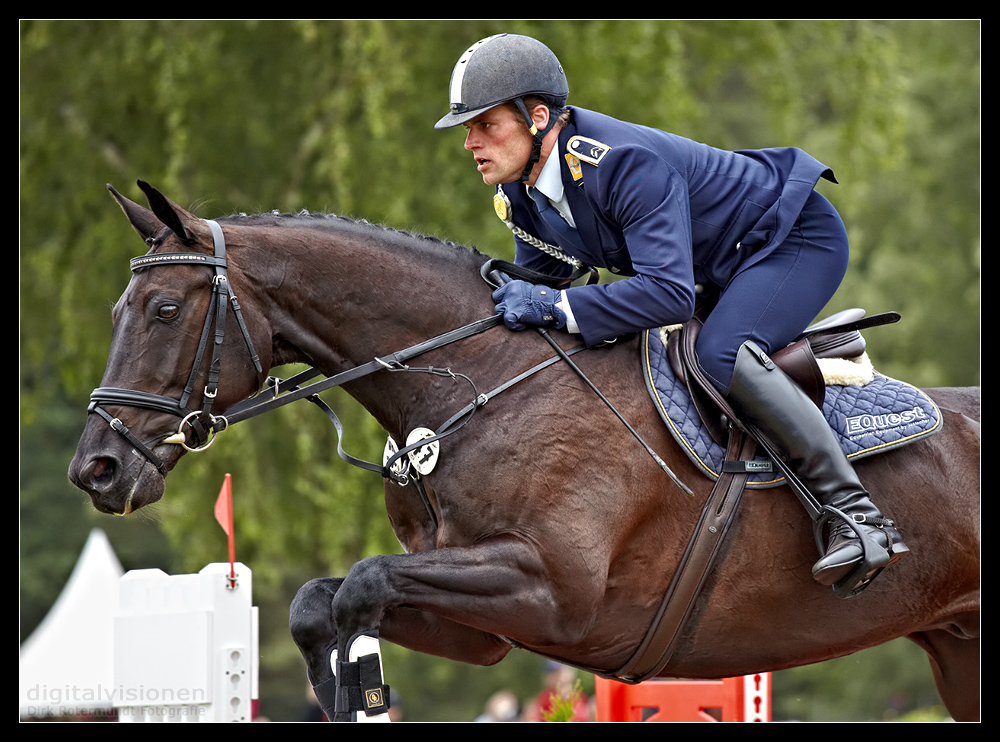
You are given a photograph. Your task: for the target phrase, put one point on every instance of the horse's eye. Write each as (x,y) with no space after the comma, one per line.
(168,311)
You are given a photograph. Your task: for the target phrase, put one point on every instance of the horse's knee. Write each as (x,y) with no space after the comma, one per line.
(310,616)
(359,602)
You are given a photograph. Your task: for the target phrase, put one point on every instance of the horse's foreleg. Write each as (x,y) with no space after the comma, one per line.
(416,601)
(317,636)
(315,633)
(501,587)
(458,602)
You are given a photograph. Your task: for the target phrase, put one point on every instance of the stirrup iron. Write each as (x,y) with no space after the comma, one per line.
(874,558)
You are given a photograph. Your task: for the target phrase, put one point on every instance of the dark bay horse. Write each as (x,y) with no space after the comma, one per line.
(546,526)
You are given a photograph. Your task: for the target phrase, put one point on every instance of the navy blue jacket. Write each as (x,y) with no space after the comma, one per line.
(667,211)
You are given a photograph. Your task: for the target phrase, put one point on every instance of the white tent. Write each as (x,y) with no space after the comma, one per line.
(67,664)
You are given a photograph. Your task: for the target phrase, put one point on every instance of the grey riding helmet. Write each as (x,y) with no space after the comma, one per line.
(502,68)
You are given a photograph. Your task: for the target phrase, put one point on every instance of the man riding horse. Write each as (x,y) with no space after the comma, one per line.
(684,222)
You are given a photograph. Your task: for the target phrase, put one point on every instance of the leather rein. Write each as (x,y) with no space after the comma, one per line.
(275,392)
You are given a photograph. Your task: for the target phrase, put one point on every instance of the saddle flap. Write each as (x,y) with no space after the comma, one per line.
(711,406)
(798,361)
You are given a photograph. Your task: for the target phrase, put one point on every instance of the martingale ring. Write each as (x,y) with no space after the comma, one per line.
(213,432)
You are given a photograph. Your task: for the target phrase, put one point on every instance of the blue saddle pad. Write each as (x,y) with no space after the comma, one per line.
(882,415)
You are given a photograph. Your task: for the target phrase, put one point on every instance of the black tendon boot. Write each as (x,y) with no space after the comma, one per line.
(783,418)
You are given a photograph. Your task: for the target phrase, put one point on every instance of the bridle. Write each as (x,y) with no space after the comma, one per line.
(274,392)
(203,424)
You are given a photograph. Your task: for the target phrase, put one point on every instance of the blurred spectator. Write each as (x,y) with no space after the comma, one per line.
(502,706)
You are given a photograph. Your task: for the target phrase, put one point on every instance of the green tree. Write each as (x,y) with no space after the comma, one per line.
(245,116)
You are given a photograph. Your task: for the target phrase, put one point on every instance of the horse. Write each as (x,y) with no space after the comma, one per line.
(539,521)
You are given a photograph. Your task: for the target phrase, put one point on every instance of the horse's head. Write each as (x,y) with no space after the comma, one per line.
(169,374)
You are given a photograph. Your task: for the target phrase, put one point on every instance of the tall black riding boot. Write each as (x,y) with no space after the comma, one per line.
(782,416)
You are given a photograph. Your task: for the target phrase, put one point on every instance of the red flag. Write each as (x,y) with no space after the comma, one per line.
(224,506)
(224,514)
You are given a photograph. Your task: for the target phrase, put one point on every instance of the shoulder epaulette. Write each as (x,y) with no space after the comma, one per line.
(588,150)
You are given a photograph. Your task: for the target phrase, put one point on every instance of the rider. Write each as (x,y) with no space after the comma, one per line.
(674,216)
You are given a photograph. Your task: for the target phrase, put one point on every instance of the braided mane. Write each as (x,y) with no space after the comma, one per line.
(361,227)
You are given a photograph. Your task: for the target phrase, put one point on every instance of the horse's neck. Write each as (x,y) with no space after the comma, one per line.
(336,307)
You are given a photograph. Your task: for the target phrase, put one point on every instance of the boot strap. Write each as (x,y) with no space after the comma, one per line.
(360,686)
(877,522)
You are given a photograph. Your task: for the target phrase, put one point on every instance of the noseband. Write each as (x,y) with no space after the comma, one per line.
(203,424)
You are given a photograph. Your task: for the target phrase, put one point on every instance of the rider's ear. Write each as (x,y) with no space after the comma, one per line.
(540,116)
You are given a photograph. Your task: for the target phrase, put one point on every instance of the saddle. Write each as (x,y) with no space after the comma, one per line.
(837,336)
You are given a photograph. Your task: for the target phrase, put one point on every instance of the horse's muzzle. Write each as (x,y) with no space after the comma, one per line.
(117,482)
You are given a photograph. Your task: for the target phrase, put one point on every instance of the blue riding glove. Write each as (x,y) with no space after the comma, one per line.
(522,304)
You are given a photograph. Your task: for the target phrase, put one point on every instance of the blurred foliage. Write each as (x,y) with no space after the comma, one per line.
(879,684)
(251,115)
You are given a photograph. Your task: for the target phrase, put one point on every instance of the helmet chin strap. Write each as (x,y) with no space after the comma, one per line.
(536,145)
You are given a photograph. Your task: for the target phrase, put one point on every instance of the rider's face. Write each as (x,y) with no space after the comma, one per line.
(501,143)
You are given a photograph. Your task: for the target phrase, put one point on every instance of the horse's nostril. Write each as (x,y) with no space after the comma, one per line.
(102,473)
(99,467)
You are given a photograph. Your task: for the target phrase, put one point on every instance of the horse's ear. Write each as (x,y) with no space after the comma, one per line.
(182,223)
(142,219)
